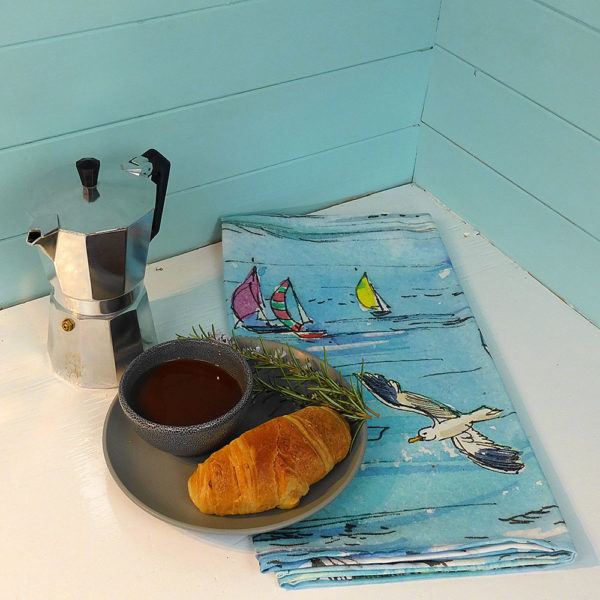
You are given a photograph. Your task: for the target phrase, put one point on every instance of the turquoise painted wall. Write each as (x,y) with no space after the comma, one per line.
(511,134)
(261,105)
(266,105)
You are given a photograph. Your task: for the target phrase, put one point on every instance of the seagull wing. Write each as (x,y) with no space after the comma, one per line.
(391,394)
(426,406)
(486,453)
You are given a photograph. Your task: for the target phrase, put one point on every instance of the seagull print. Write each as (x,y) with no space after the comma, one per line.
(448,423)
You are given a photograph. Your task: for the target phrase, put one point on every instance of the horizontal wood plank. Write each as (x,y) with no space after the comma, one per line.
(72,16)
(296,187)
(586,11)
(191,218)
(533,49)
(550,158)
(239,134)
(72,83)
(559,254)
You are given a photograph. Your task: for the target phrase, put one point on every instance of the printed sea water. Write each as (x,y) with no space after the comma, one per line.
(379,294)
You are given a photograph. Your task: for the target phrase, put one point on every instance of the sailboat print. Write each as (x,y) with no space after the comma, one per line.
(279,305)
(248,306)
(369,299)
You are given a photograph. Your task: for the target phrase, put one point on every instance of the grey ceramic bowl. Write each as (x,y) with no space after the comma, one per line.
(186,440)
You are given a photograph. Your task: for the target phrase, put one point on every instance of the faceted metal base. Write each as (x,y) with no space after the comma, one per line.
(93,351)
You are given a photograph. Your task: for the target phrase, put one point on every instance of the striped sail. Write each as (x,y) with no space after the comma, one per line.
(280,308)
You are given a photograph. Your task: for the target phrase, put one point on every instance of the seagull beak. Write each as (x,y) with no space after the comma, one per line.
(417,438)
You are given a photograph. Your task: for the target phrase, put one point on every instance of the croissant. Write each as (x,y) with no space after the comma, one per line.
(272,465)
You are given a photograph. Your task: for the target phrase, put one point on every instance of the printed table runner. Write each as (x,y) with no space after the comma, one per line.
(449,482)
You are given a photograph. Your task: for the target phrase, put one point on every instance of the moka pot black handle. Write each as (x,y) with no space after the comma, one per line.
(160,177)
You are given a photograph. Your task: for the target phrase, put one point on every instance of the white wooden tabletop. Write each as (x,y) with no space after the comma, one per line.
(68,531)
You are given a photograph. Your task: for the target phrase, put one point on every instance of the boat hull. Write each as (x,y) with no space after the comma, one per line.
(266,328)
(310,334)
(280,329)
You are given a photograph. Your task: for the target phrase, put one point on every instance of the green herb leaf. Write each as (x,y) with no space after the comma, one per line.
(300,381)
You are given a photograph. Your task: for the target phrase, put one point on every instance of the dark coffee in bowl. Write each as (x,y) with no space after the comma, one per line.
(185,392)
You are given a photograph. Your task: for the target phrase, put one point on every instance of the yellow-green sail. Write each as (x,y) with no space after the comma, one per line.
(369,299)
(365,293)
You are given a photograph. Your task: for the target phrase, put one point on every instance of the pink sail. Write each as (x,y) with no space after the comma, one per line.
(247,299)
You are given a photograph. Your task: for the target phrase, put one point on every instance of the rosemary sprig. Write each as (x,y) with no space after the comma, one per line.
(299,380)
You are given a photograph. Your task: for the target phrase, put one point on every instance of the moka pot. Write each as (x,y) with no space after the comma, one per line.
(94,231)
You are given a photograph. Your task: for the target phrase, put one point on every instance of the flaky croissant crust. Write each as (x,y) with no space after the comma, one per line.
(272,465)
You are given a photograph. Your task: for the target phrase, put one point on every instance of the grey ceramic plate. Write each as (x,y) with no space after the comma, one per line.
(157,481)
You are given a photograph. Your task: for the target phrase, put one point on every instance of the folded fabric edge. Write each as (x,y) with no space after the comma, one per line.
(285,560)
(332,575)
(316,218)
(330,224)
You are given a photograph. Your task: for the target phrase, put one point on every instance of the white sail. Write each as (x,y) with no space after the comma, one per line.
(383,307)
(304,318)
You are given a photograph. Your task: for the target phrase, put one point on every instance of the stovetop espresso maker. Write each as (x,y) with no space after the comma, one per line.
(94,231)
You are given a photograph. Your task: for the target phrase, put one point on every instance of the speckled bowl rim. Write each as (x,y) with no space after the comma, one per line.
(131,413)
